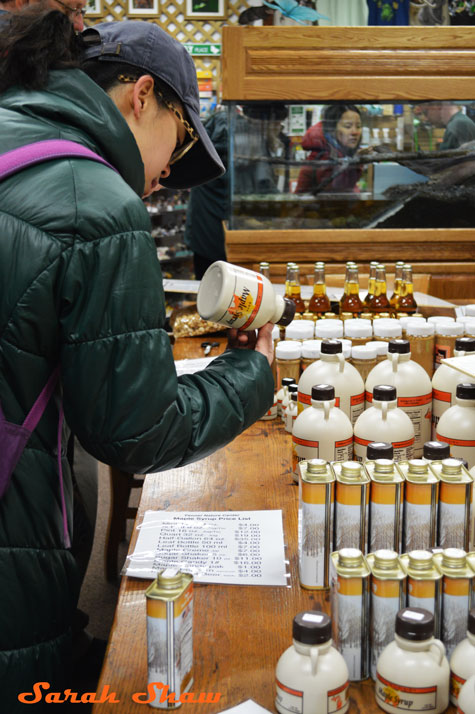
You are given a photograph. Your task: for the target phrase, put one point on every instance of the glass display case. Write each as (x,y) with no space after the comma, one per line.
(403,190)
(351,165)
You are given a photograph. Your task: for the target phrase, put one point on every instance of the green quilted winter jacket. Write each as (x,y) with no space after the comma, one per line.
(81,286)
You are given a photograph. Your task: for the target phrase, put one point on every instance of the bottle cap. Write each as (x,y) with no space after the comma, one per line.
(317,466)
(323,392)
(328,329)
(471,621)
(467,344)
(469,326)
(405,320)
(287,381)
(420,328)
(400,347)
(440,318)
(311,349)
(420,559)
(384,468)
(363,352)
(300,330)
(346,347)
(436,450)
(351,469)
(470,310)
(350,558)
(288,312)
(387,328)
(454,558)
(466,390)
(312,628)
(386,559)
(331,347)
(358,328)
(384,393)
(415,623)
(380,346)
(288,349)
(293,388)
(449,329)
(418,467)
(379,450)
(452,467)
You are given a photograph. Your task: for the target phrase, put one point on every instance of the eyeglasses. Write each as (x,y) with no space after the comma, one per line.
(75,11)
(180,151)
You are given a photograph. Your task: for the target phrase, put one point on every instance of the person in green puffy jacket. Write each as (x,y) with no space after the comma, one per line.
(81,287)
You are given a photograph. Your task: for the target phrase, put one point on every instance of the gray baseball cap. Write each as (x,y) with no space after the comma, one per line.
(148,47)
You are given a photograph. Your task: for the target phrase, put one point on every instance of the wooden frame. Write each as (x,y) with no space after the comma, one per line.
(205,10)
(362,65)
(94,8)
(142,8)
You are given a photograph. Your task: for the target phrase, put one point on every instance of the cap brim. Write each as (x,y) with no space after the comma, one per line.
(200,165)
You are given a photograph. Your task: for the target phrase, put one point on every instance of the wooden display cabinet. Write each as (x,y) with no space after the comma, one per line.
(361,65)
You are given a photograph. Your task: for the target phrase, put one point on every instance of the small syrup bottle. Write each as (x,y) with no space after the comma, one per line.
(350,301)
(371,283)
(397,284)
(406,302)
(311,675)
(319,302)
(292,287)
(380,301)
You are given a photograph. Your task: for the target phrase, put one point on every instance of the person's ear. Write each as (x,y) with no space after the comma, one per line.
(142,95)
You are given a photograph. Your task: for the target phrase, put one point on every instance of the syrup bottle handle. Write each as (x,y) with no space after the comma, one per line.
(341,360)
(314,659)
(394,360)
(438,648)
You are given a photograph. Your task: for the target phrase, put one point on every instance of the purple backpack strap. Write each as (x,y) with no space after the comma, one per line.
(14,437)
(17,159)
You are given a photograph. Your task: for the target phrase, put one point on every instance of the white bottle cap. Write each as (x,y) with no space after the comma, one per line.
(276,332)
(346,346)
(364,352)
(387,328)
(328,329)
(449,328)
(408,320)
(470,310)
(381,347)
(469,327)
(311,349)
(300,330)
(440,318)
(358,328)
(420,328)
(288,350)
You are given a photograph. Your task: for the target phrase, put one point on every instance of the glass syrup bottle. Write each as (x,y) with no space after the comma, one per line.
(371,283)
(397,283)
(319,302)
(380,301)
(406,302)
(292,287)
(264,269)
(350,301)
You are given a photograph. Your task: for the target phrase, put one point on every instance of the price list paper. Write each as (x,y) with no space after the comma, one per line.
(232,547)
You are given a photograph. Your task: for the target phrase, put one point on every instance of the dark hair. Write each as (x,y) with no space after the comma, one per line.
(33,42)
(271,111)
(333,113)
(37,40)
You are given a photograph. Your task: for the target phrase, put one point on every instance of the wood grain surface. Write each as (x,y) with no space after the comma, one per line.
(239,631)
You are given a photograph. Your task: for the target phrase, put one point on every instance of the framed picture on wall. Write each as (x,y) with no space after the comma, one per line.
(94,8)
(205,9)
(142,8)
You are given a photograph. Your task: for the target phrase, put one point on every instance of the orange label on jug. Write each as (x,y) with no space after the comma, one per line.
(418,401)
(456,684)
(403,444)
(305,442)
(304,398)
(405,698)
(357,399)
(455,442)
(421,588)
(368,396)
(441,396)
(344,442)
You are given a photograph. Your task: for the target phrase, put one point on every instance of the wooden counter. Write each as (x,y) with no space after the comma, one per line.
(239,631)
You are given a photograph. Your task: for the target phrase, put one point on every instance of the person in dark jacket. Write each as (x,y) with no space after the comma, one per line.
(459,128)
(82,289)
(337,136)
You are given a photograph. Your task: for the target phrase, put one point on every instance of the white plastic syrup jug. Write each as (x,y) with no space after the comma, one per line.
(237,297)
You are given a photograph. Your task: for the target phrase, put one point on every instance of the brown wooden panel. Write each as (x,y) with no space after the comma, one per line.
(361,63)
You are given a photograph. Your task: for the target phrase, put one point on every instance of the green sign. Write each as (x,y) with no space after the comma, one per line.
(202,49)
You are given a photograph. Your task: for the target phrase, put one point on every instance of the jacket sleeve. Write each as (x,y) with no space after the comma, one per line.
(122,396)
